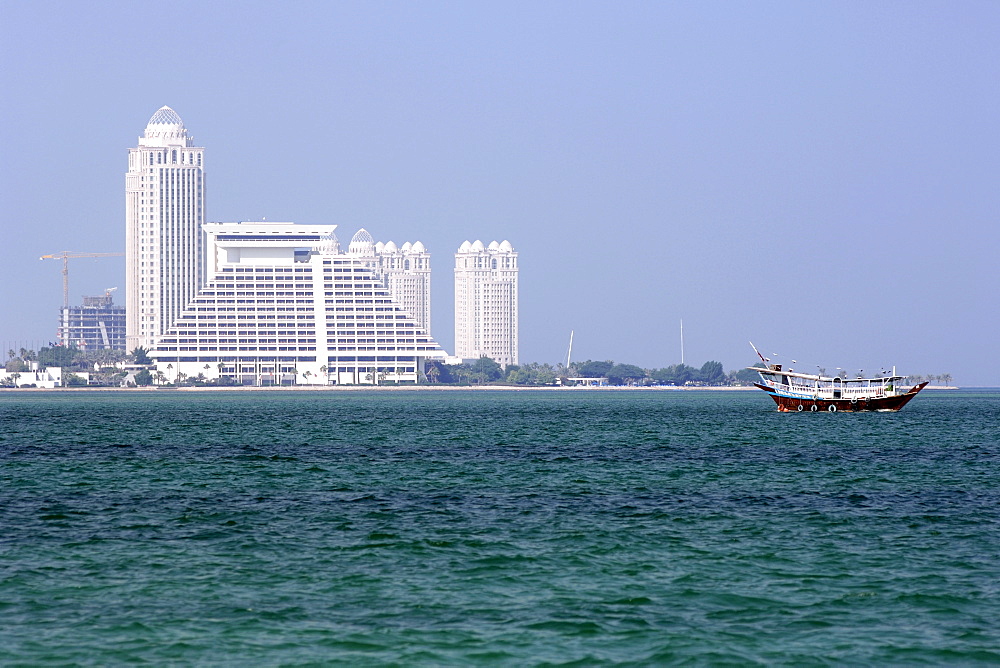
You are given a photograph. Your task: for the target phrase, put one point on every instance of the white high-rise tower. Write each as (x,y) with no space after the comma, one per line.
(486,302)
(405,271)
(164,241)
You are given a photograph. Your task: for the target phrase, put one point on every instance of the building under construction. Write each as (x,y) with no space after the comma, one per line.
(97,325)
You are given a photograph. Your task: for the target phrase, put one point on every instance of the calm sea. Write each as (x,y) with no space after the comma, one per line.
(503,528)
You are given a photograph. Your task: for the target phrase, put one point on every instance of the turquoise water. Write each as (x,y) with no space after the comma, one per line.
(503,528)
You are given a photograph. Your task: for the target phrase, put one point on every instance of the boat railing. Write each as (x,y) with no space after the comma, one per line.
(870,391)
(838,389)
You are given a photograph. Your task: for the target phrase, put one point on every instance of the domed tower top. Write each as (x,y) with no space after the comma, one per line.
(362,243)
(329,245)
(165,116)
(165,128)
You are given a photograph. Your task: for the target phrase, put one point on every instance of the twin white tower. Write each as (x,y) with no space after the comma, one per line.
(171,257)
(486,302)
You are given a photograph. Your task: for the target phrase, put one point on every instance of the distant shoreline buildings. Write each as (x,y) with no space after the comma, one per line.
(261,303)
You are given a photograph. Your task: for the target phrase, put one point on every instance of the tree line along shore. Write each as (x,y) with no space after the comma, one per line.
(117,368)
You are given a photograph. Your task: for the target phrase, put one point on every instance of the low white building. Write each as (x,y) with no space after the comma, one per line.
(284,305)
(44,377)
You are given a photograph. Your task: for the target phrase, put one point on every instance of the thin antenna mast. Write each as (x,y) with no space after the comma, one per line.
(682,341)
(569,353)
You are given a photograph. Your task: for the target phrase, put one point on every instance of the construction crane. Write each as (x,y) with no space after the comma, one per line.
(65,257)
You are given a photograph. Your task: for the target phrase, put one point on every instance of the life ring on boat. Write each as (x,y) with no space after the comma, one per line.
(800,408)
(832,408)
(854,400)
(814,408)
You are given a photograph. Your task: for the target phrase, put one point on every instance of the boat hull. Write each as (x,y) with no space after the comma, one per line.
(794,404)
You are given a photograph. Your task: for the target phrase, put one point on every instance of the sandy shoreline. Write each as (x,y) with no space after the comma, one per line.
(403,388)
(376,388)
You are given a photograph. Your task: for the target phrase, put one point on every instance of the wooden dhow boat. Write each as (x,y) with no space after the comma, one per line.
(800,392)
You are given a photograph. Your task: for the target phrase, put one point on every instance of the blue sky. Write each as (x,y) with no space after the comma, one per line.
(818,177)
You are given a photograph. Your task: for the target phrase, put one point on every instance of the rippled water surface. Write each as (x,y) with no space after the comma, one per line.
(504,528)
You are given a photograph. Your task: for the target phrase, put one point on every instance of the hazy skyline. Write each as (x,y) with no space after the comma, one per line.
(818,178)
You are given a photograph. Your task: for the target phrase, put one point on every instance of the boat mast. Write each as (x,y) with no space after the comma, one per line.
(762,358)
(682,341)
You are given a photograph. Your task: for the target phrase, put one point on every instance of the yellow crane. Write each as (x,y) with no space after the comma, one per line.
(65,256)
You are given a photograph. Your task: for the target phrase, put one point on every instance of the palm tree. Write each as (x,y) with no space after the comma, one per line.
(433,372)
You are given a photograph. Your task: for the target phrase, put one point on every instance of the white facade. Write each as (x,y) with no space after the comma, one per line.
(164,242)
(42,377)
(284,305)
(405,272)
(486,302)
